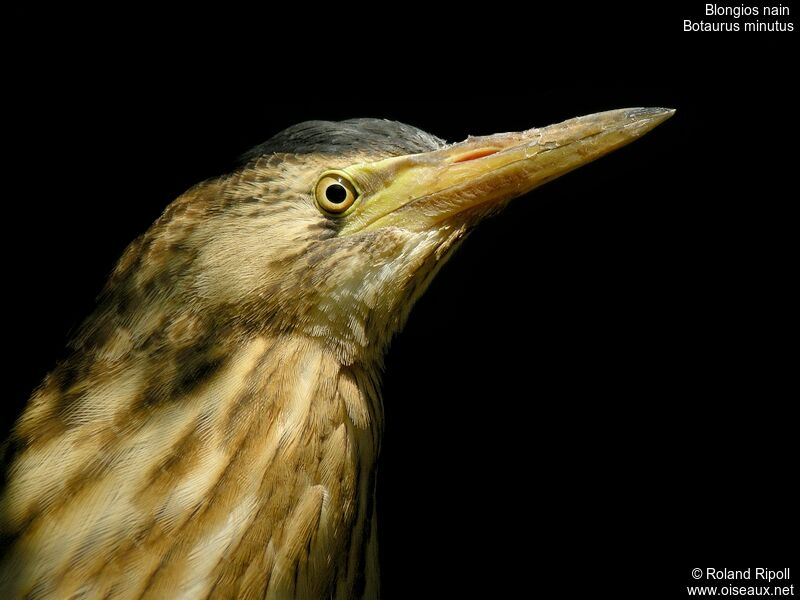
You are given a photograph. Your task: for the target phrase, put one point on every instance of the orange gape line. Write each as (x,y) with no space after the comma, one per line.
(476,154)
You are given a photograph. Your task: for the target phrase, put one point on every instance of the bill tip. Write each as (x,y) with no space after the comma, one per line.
(650,112)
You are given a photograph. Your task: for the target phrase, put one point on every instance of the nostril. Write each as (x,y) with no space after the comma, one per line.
(475,154)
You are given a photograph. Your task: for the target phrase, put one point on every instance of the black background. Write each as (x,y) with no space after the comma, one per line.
(595,395)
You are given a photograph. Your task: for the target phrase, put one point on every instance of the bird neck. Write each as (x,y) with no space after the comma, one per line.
(269,444)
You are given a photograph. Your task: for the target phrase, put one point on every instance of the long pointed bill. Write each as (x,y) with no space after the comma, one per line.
(422,191)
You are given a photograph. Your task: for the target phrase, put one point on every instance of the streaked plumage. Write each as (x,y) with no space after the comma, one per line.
(215,429)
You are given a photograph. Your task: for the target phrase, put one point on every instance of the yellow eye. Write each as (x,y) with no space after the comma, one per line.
(335,192)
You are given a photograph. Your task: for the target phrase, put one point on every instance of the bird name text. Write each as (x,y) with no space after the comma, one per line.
(764,18)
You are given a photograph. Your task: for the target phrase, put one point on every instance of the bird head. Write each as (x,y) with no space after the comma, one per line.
(333,230)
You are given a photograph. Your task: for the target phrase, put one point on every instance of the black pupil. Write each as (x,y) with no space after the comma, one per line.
(336,193)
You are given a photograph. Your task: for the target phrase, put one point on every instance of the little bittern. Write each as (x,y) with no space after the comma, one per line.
(214,430)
